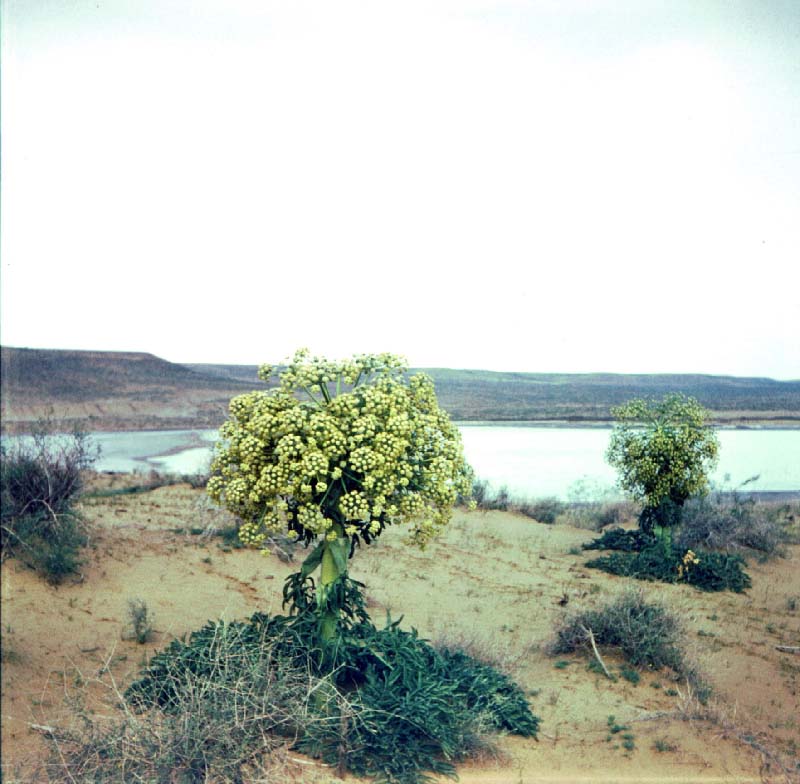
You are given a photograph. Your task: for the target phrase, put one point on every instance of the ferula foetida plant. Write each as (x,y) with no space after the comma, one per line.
(664,451)
(336,452)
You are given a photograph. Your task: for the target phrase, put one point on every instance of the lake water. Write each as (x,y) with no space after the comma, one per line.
(569,463)
(530,460)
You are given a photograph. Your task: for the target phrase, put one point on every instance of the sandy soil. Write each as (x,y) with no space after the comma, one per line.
(495,581)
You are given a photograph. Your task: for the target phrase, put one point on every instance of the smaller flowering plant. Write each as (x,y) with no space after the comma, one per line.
(337,452)
(664,451)
(688,560)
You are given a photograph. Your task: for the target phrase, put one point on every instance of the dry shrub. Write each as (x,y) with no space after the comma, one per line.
(730,522)
(644,632)
(230,723)
(40,480)
(543,510)
(596,515)
(593,507)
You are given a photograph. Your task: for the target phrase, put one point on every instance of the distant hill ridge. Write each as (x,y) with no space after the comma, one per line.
(485,394)
(62,374)
(249,372)
(109,390)
(106,390)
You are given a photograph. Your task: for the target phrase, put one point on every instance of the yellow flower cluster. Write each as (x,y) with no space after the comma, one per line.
(358,443)
(689,560)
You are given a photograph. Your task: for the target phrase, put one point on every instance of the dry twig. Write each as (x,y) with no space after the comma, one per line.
(589,634)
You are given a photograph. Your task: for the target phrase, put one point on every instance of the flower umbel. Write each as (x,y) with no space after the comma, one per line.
(340,449)
(688,560)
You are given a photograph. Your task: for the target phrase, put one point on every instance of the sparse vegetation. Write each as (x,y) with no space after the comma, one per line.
(662,745)
(447,569)
(579,511)
(40,480)
(614,729)
(731,522)
(644,632)
(149,482)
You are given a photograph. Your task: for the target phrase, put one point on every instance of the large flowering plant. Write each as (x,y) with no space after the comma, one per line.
(336,452)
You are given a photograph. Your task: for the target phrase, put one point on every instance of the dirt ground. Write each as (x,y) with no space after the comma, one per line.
(493,581)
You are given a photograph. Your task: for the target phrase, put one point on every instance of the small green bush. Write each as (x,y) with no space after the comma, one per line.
(630,675)
(56,553)
(714,572)
(140,621)
(662,745)
(230,536)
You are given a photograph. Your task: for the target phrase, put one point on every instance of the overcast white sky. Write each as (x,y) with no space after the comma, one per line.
(536,186)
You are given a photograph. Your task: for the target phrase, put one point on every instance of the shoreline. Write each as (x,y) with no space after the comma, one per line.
(67,426)
(608,424)
(760,496)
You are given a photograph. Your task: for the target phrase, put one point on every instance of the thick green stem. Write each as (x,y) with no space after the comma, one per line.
(664,535)
(333,569)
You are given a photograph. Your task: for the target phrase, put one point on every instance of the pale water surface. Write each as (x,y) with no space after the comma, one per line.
(570,462)
(529,460)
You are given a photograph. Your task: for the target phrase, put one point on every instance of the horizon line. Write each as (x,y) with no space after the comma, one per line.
(425,367)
